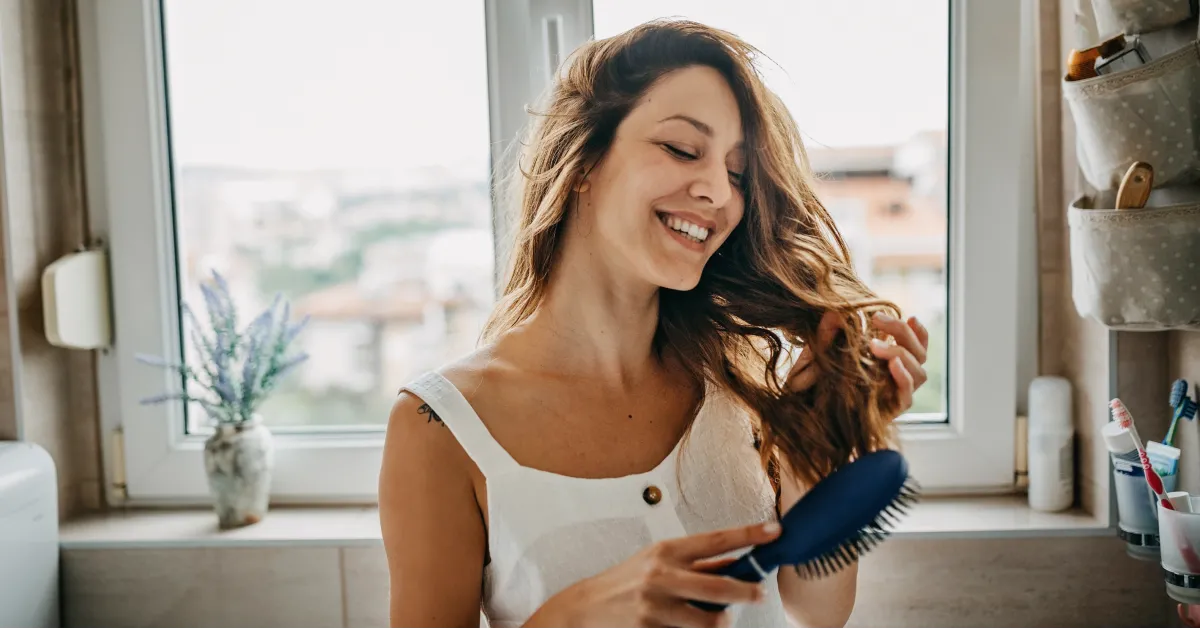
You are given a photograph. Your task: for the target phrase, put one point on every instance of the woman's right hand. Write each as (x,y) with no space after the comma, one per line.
(652,588)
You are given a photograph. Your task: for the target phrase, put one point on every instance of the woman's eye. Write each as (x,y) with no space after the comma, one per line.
(678,152)
(735,179)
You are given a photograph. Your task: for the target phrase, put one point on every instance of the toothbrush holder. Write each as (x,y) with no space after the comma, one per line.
(1137,509)
(1179,548)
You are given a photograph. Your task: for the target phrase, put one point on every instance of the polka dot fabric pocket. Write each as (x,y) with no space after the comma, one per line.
(1150,113)
(1140,16)
(1137,269)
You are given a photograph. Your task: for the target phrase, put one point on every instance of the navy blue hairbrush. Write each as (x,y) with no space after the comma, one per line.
(840,518)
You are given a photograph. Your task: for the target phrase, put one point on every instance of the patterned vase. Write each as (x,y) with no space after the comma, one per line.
(239,459)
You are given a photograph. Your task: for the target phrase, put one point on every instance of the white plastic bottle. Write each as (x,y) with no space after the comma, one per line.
(1051,445)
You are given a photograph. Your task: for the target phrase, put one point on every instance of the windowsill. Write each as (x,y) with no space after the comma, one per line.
(197,528)
(934,517)
(944,517)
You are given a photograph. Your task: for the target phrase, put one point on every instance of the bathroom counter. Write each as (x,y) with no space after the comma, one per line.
(933,517)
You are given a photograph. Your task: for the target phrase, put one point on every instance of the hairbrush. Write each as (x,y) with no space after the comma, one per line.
(840,518)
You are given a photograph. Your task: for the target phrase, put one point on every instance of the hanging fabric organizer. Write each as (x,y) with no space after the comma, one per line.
(1139,269)
(1136,269)
(1141,16)
(1144,114)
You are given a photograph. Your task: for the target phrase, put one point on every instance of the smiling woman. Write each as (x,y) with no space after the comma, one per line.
(628,418)
(668,182)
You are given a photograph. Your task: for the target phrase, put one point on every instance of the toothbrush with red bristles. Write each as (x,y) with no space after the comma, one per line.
(1124,419)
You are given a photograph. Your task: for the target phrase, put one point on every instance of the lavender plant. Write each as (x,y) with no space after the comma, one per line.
(234,370)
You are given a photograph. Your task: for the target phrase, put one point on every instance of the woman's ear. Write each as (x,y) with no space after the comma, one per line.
(583,184)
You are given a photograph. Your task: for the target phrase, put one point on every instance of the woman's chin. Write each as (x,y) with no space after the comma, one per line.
(679,281)
(672,271)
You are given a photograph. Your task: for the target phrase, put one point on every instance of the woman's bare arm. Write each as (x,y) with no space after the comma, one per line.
(824,602)
(433,531)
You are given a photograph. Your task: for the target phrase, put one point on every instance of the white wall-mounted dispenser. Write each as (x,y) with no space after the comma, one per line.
(75,301)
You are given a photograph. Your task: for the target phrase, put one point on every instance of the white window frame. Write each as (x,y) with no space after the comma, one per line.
(130,205)
(991,178)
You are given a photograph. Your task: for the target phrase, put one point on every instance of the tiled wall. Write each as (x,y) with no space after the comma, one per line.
(1070,346)
(239,587)
(1046,582)
(44,218)
(1184,351)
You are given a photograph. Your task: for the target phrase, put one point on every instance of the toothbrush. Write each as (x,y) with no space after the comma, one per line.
(1184,407)
(1122,416)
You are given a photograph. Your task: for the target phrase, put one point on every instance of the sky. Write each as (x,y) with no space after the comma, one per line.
(398,85)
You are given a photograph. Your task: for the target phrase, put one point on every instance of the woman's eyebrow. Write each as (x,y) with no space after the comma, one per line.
(700,126)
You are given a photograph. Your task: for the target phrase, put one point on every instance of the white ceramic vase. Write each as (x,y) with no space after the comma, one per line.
(239,460)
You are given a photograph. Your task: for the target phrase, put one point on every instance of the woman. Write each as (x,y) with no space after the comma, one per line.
(630,419)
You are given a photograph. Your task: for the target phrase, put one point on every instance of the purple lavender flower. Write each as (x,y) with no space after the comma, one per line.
(233,371)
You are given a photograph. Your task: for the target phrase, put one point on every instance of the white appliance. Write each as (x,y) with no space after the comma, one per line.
(28,537)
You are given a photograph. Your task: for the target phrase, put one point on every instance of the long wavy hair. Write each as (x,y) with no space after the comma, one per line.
(761,296)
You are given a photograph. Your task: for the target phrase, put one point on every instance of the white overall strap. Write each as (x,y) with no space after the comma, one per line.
(440,395)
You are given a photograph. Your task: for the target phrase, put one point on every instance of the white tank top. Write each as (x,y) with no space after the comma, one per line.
(548,531)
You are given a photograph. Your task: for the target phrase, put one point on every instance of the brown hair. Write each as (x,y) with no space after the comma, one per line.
(764,292)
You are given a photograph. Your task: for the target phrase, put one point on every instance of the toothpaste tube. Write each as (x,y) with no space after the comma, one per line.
(1163,458)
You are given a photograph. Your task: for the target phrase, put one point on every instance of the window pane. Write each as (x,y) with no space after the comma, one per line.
(867,82)
(336,153)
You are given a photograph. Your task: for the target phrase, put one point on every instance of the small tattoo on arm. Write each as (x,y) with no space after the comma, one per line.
(425,409)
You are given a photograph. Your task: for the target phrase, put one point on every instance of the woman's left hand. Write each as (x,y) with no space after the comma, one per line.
(905,357)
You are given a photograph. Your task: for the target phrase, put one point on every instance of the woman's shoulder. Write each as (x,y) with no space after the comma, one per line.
(413,433)
(469,373)
(478,377)
(419,442)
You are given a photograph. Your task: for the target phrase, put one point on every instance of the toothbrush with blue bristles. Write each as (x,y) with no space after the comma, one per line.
(1185,408)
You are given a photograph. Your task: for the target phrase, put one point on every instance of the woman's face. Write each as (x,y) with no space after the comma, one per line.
(667,192)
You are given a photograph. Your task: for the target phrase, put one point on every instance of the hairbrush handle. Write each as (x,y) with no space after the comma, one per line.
(824,532)
(745,568)
(1135,187)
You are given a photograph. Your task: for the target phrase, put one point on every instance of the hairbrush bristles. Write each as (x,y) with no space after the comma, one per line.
(1178,392)
(866,539)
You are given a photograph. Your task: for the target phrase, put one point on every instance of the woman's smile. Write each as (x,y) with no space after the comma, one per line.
(690,232)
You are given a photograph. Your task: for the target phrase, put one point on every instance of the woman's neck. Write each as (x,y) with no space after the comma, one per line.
(595,320)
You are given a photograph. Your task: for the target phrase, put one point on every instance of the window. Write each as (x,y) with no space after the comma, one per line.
(329,180)
(292,146)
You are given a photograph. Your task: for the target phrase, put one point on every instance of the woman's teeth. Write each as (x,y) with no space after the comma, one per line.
(691,230)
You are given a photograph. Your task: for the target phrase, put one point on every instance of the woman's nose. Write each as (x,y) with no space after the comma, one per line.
(712,186)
